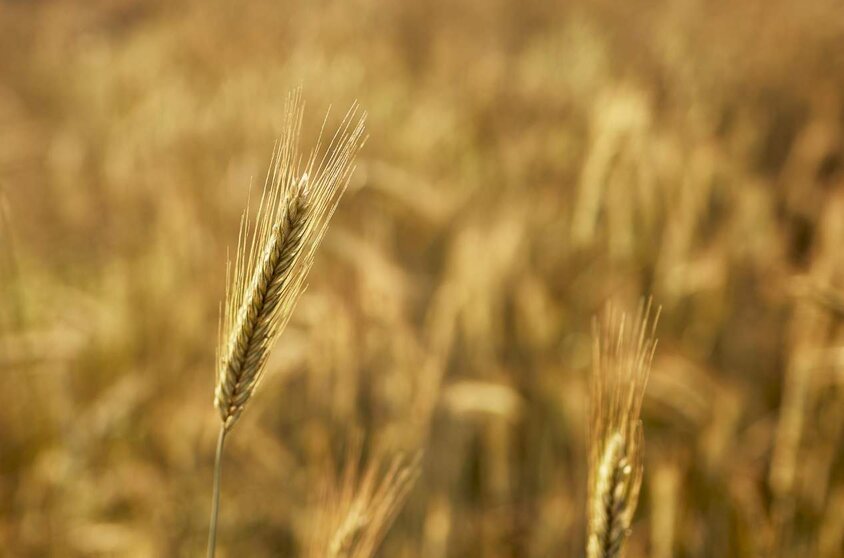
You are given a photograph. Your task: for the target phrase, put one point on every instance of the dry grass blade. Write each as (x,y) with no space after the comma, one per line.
(622,358)
(275,253)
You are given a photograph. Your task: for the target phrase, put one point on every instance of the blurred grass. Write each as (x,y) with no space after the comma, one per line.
(526,162)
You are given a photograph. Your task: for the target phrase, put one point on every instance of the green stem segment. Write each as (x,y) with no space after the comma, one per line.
(215,501)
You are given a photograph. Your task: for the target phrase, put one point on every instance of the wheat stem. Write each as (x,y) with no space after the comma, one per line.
(215,499)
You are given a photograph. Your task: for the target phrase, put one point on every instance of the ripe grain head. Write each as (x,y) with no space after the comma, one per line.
(622,357)
(275,251)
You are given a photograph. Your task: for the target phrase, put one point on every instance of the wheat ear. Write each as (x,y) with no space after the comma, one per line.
(275,251)
(355,513)
(622,357)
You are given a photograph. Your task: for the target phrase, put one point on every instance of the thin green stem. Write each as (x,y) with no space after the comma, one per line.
(215,501)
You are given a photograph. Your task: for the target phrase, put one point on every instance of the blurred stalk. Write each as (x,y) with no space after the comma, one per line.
(215,499)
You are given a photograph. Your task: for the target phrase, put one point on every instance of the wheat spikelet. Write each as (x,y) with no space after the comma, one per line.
(275,253)
(622,357)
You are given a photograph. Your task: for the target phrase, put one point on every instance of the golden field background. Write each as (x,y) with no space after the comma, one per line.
(526,163)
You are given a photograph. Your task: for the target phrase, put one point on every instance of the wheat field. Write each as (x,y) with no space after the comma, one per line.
(466,361)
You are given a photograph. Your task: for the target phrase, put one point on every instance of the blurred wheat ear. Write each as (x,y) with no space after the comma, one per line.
(275,251)
(622,357)
(355,511)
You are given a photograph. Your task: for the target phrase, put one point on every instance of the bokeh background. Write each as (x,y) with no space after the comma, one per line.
(527,162)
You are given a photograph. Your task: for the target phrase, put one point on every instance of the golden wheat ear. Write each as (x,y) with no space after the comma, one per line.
(622,357)
(275,251)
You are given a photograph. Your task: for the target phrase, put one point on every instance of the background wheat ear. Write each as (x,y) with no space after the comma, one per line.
(622,355)
(275,251)
(354,510)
